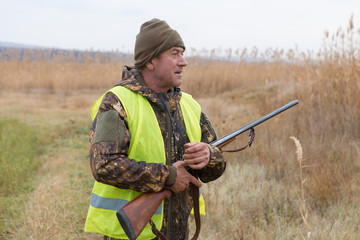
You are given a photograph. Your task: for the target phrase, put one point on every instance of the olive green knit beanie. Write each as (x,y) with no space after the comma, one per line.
(155,37)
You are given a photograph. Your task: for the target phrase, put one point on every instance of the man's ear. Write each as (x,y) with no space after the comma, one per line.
(149,65)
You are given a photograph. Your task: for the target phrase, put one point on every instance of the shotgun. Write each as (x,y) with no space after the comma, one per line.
(134,216)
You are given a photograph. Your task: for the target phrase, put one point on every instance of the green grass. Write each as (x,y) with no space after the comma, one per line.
(19,147)
(45,185)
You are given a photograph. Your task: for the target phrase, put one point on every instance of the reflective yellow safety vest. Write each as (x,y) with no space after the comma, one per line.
(146,143)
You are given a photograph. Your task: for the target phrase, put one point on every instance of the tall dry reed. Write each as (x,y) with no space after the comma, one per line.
(55,70)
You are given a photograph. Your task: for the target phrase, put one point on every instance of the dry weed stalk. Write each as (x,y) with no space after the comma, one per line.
(301,196)
(356,148)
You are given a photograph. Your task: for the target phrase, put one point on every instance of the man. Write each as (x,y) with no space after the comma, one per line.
(147,135)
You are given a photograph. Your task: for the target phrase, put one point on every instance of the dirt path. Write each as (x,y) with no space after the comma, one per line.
(56,208)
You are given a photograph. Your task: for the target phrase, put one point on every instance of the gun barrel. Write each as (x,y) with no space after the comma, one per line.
(231,135)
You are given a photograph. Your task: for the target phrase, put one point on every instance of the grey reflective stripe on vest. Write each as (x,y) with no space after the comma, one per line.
(112,203)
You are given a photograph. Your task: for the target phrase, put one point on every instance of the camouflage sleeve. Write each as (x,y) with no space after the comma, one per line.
(109,161)
(217,164)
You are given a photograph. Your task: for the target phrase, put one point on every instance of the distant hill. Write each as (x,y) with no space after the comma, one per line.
(27,50)
(16,45)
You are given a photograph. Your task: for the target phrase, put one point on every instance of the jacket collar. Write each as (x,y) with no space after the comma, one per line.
(133,80)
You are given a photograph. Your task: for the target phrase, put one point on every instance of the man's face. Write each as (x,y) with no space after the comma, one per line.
(168,68)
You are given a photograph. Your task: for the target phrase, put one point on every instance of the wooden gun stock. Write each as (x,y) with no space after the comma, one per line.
(134,216)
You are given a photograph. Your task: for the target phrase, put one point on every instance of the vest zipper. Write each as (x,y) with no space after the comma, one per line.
(169,149)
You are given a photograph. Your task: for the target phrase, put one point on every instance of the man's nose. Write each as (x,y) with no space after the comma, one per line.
(182,61)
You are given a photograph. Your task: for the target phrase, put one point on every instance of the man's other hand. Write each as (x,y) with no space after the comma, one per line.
(183,178)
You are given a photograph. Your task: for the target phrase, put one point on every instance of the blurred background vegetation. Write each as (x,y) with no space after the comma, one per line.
(267,192)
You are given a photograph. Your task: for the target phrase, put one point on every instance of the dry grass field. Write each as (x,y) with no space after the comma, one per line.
(299,179)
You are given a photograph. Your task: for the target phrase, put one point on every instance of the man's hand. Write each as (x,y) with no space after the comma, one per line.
(183,178)
(197,155)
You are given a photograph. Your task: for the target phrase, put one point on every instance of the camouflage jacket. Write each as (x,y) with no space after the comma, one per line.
(110,139)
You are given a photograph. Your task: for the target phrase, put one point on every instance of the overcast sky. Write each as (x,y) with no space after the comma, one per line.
(236,24)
